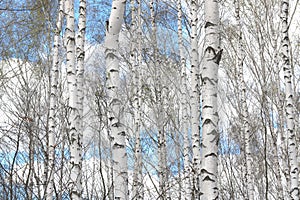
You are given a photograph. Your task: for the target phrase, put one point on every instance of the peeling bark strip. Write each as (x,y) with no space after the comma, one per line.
(212,57)
(289,104)
(119,156)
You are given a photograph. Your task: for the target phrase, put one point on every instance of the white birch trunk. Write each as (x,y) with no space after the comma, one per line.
(80,94)
(282,142)
(75,182)
(53,103)
(210,118)
(80,65)
(184,129)
(195,99)
(138,181)
(244,111)
(119,155)
(289,104)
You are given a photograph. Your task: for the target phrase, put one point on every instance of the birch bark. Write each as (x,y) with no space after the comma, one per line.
(80,65)
(281,139)
(289,104)
(75,182)
(184,103)
(80,94)
(53,102)
(210,118)
(119,155)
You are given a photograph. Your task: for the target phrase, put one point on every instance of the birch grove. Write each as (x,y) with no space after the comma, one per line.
(149,99)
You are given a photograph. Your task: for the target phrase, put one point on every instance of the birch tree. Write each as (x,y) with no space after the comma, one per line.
(244,113)
(289,104)
(53,103)
(80,51)
(119,155)
(75,182)
(210,132)
(138,192)
(261,48)
(184,107)
(195,99)
(158,106)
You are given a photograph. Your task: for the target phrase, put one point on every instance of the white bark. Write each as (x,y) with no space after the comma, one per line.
(80,64)
(53,103)
(195,99)
(244,109)
(210,118)
(289,104)
(119,155)
(184,129)
(75,182)
(80,94)
(282,141)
